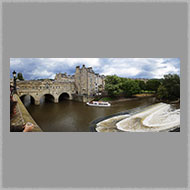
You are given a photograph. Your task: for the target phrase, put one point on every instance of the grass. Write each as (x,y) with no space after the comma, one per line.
(142,95)
(147,92)
(107,99)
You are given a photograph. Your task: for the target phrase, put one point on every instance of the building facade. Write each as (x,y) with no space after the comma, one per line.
(88,82)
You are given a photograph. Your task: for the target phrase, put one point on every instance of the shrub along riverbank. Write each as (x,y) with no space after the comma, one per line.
(122,99)
(165,89)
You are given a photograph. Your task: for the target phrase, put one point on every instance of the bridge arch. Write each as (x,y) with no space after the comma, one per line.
(47,97)
(64,96)
(27,99)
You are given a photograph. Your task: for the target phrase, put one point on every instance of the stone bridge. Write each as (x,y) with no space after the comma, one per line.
(50,89)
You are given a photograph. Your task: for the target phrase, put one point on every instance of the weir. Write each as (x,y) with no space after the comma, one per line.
(156,118)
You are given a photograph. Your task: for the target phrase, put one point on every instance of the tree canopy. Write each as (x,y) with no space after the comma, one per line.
(167,88)
(142,84)
(116,86)
(113,85)
(153,84)
(19,76)
(130,87)
(170,87)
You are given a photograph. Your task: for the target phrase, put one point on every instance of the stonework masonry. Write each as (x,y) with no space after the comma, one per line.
(88,82)
(85,83)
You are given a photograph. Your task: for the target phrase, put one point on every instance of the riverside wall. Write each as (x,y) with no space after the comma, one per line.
(23,116)
(82,98)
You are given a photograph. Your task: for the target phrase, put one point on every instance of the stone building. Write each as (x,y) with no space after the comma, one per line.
(63,77)
(81,87)
(88,82)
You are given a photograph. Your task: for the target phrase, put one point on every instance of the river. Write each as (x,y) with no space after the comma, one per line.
(72,116)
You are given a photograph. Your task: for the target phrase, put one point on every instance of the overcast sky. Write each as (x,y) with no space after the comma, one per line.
(35,68)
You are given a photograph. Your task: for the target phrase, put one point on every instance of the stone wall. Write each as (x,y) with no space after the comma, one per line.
(88,82)
(85,82)
(63,77)
(22,115)
(82,98)
(37,89)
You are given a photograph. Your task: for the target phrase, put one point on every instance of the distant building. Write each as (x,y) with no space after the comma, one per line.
(63,77)
(87,82)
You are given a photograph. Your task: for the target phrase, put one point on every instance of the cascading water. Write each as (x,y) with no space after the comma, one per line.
(159,117)
(163,118)
(155,118)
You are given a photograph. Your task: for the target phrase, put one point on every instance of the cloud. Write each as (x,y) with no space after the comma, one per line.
(35,68)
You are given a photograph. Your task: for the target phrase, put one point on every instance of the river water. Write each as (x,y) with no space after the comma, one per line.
(72,116)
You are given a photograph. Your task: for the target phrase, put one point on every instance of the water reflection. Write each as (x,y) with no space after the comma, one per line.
(71,116)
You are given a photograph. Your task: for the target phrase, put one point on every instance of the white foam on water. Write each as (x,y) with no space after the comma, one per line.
(112,119)
(104,129)
(108,125)
(164,117)
(156,118)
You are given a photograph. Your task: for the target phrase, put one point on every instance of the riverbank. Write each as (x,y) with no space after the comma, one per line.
(172,101)
(122,99)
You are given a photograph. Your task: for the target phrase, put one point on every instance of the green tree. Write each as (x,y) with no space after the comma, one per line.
(113,85)
(19,76)
(162,93)
(153,84)
(116,86)
(142,85)
(113,79)
(130,87)
(172,84)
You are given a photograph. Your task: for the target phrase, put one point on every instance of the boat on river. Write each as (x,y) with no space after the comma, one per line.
(98,104)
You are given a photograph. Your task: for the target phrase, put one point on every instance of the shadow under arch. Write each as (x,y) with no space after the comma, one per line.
(64,96)
(47,98)
(27,99)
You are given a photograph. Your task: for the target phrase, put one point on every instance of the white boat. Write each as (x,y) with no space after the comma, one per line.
(98,104)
